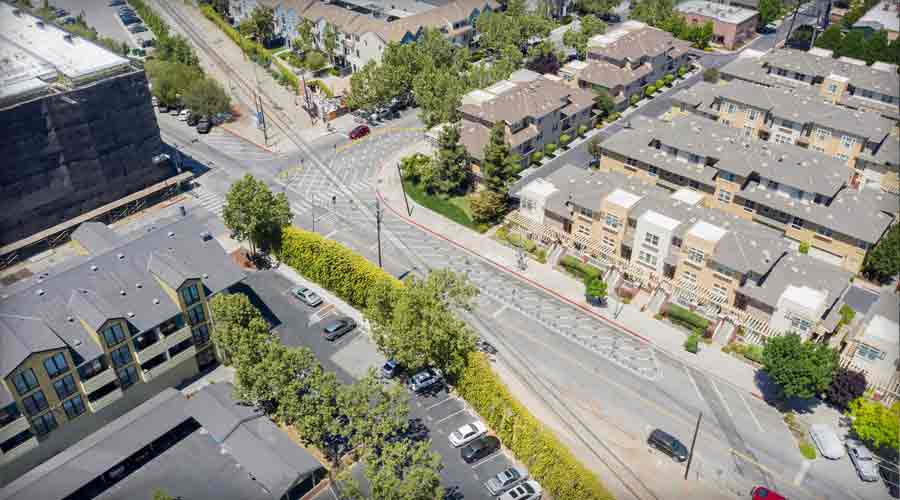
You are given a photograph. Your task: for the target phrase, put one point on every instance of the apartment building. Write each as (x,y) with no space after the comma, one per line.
(86,342)
(202,446)
(624,60)
(535,109)
(798,191)
(863,139)
(732,25)
(364,28)
(845,81)
(745,265)
(871,344)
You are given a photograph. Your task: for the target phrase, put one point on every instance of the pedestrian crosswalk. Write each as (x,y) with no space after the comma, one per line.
(212,202)
(236,147)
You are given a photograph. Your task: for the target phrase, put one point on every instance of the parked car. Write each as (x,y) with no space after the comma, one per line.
(184,115)
(359,132)
(137,28)
(467,433)
(827,441)
(529,490)
(128,21)
(337,328)
(60,12)
(126,11)
(204,125)
(154,100)
(175,110)
(147,43)
(69,20)
(763,493)
(307,296)
(423,380)
(390,369)
(668,444)
(116,3)
(863,460)
(162,108)
(479,448)
(505,480)
(193,120)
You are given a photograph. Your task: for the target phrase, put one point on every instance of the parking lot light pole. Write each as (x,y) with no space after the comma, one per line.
(693,442)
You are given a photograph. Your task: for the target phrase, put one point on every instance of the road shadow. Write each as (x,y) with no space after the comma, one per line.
(185,161)
(769,390)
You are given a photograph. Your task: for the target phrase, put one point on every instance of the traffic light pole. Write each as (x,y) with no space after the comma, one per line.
(693,443)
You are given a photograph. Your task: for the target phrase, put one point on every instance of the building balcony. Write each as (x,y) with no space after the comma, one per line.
(178,337)
(155,368)
(13,427)
(151,351)
(106,396)
(97,381)
(149,374)
(180,357)
(20,449)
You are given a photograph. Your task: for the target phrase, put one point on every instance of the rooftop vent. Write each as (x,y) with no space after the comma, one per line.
(205,236)
(40,292)
(120,256)
(156,301)
(76,342)
(70,319)
(139,285)
(205,276)
(171,234)
(122,292)
(130,314)
(94,267)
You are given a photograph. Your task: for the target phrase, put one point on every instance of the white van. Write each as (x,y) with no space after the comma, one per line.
(826,441)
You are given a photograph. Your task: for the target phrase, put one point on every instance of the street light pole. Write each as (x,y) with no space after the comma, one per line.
(378,227)
(693,442)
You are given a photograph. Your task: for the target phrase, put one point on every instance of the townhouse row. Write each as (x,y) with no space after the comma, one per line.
(803,194)
(672,235)
(364,29)
(81,346)
(868,142)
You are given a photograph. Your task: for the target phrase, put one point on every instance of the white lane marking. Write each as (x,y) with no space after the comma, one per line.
(435,405)
(499,311)
(329,235)
(693,382)
(331,489)
(448,417)
(488,459)
(721,397)
(802,472)
(750,411)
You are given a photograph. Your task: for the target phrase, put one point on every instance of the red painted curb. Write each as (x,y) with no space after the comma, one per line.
(239,136)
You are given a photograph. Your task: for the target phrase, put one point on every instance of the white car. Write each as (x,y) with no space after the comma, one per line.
(467,433)
(827,441)
(184,115)
(529,490)
(155,101)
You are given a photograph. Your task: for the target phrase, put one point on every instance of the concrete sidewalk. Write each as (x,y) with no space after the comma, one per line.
(662,335)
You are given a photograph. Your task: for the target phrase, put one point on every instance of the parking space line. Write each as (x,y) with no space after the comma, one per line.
(499,311)
(693,382)
(802,472)
(488,459)
(435,405)
(448,417)
(332,233)
(721,397)
(750,411)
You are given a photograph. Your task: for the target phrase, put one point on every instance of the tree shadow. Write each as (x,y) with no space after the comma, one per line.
(772,395)
(257,302)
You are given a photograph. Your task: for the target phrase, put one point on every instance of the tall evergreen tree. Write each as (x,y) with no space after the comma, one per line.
(449,169)
(499,165)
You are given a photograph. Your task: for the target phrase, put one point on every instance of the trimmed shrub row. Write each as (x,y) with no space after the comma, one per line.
(685,317)
(578,268)
(332,265)
(548,460)
(253,49)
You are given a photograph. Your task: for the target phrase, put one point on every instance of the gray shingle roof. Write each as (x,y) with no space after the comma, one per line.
(808,63)
(520,100)
(256,460)
(634,40)
(221,413)
(587,188)
(19,337)
(798,270)
(96,237)
(93,290)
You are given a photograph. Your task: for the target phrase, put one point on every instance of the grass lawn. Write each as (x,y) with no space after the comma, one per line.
(455,208)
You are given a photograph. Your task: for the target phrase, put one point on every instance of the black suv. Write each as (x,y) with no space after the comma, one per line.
(668,444)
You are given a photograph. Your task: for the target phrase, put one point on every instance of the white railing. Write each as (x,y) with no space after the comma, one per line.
(97,381)
(151,351)
(179,336)
(886,388)
(23,448)
(13,428)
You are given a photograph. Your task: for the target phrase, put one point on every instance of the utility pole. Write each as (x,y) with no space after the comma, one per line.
(693,442)
(378,227)
(403,188)
(261,118)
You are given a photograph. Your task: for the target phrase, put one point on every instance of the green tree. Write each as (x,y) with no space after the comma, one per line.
(652,12)
(595,149)
(487,206)
(769,10)
(206,97)
(160,494)
(170,79)
(305,39)
(254,214)
(260,25)
(846,387)
(831,38)
(801,369)
(876,48)
(421,329)
(578,39)
(374,411)
(329,41)
(237,325)
(499,166)
(595,289)
(853,45)
(449,169)
(604,103)
(543,58)
(596,7)
(711,75)
(876,424)
(883,262)
(403,470)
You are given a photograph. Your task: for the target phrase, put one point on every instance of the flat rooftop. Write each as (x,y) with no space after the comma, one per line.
(722,13)
(885,14)
(33,54)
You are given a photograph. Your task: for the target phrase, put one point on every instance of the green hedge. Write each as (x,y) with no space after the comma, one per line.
(253,49)
(685,317)
(578,268)
(332,265)
(548,460)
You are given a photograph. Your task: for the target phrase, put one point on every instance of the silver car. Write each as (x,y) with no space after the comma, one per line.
(827,441)
(863,460)
(307,296)
(505,480)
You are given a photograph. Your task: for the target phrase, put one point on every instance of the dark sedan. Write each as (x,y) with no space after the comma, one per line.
(337,328)
(480,448)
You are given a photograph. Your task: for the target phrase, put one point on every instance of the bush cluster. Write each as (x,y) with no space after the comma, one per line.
(253,49)
(548,460)
(580,269)
(687,318)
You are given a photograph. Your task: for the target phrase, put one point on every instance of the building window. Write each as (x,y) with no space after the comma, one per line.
(35,403)
(73,407)
(612,221)
(65,387)
(25,381)
(752,114)
(201,335)
(783,139)
(127,376)
(587,212)
(730,108)
(653,171)
(90,369)
(121,356)
(832,88)
(869,353)
(689,277)
(797,223)
(609,242)
(748,131)
(651,239)
(583,230)
(822,134)
(113,335)
(56,365)
(824,231)
(696,256)
(848,142)
(800,324)
(189,295)
(728,176)
(647,258)
(724,196)
(44,424)
(196,315)
(749,205)
(817,149)
(719,290)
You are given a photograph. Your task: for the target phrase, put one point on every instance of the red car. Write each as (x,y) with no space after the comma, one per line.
(359,132)
(763,493)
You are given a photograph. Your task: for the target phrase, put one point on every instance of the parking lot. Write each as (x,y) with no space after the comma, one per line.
(100,16)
